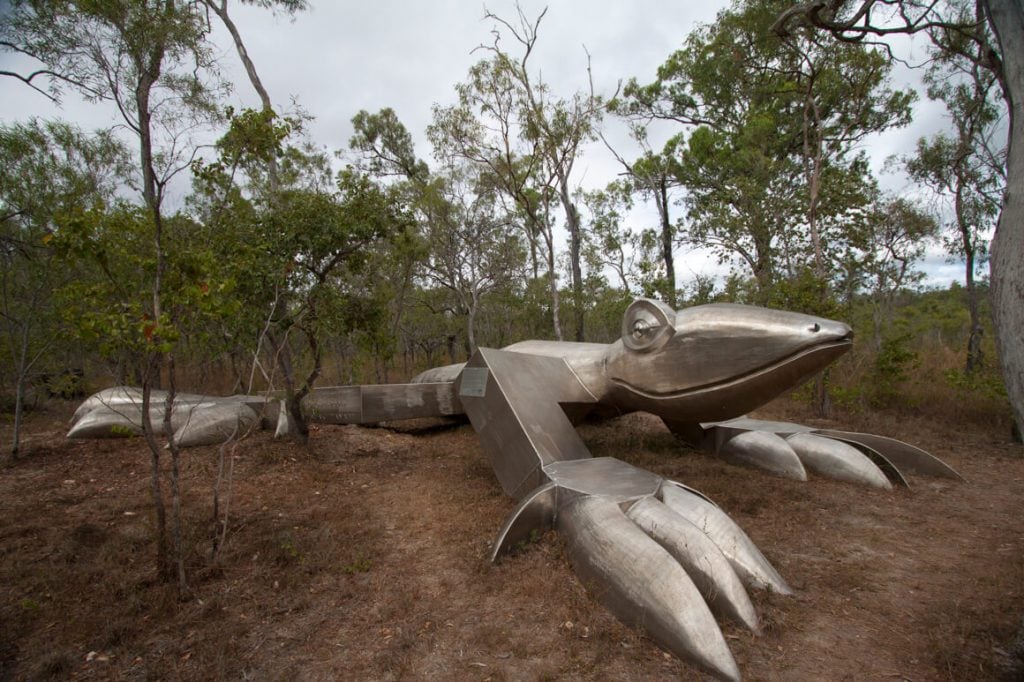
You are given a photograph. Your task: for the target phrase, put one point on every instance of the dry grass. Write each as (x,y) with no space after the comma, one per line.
(364,557)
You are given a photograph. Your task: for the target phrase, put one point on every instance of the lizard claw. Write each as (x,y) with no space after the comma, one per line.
(642,583)
(699,556)
(660,556)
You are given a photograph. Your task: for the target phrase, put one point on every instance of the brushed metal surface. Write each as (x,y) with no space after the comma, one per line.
(746,559)
(835,459)
(760,449)
(534,514)
(642,584)
(380,402)
(902,455)
(518,418)
(700,557)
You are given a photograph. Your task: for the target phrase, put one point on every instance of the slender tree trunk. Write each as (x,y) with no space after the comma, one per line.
(163,564)
(221,10)
(471,326)
(572,221)
(667,241)
(813,163)
(974,353)
(176,523)
(450,344)
(294,422)
(167,565)
(19,408)
(1007,18)
(556,312)
(24,364)
(19,392)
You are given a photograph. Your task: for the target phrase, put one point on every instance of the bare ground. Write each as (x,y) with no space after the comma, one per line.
(364,557)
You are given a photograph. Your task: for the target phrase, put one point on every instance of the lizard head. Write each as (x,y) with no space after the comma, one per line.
(716,361)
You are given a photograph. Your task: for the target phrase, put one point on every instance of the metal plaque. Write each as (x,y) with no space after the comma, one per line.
(474,382)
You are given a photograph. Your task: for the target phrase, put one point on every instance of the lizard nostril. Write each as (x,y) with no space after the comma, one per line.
(815,327)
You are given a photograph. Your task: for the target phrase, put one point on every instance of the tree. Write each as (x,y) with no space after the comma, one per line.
(608,243)
(147,59)
(965,167)
(323,241)
(387,146)
(297,253)
(993,37)
(559,127)
(529,139)
(514,161)
(895,232)
(48,173)
(471,246)
(220,8)
(473,251)
(655,175)
(774,125)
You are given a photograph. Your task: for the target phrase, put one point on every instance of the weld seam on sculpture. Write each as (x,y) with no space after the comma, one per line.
(700,370)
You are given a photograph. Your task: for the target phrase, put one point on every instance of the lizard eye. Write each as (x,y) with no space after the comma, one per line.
(647,325)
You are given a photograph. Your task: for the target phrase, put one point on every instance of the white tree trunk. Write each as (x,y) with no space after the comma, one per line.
(1007,262)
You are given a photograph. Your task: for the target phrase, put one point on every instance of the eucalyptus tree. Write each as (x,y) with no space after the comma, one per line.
(560,126)
(386,147)
(888,239)
(656,175)
(736,161)
(900,229)
(473,250)
(151,60)
(509,120)
(844,96)
(220,9)
(385,150)
(992,36)
(770,124)
(607,243)
(610,244)
(50,172)
(967,167)
(484,128)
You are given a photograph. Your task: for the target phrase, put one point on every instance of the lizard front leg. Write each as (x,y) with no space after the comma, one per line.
(656,553)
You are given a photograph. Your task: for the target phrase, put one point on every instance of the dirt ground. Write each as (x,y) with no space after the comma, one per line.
(364,557)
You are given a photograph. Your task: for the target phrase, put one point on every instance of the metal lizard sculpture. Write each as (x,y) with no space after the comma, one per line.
(661,556)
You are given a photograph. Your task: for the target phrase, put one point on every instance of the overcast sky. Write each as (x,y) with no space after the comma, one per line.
(342,56)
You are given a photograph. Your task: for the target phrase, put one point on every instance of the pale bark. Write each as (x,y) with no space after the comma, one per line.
(1007,20)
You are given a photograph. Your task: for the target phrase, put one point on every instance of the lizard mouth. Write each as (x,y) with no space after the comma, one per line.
(803,363)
